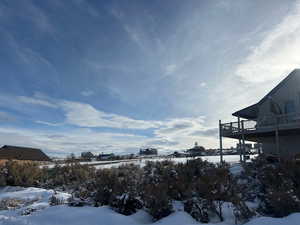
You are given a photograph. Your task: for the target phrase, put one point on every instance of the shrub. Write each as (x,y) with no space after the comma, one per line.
(204,187)
(10,203)
(22,174)
(54,200)
(279,204)
(241,211)
(69,176)
(156,200)
(276,186)
(198,208)
(126,204)
(105,185)
(119,188)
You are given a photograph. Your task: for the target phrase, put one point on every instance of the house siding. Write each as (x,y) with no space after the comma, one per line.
(289,145)
(290,91)
(278,111)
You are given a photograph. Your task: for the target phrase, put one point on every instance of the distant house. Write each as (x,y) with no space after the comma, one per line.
(8,152)
(196,150)
(87,155)
(178,154)
(105,156)
(148,151)
(274,121)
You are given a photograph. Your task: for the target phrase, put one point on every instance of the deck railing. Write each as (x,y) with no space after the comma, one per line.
(266,122)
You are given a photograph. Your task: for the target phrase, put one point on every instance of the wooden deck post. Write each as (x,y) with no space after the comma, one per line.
(240,142)
(243,139)
(221,144)
(277,139)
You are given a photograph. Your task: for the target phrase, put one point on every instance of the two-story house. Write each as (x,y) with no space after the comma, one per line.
(274,121)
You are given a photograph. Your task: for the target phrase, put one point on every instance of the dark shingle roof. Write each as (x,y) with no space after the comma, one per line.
(249,112)
(22,153)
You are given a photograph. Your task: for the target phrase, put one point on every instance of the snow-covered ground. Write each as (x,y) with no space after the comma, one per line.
(232,159)
(44,214)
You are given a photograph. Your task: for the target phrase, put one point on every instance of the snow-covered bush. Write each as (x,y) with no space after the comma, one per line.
(278,196)
(119,188)
(275,185)
(10,203)
(156,200)
(203,187)
(155,189)
(215,184)
(126,204)
(198,208)
(241,211)
(54,200)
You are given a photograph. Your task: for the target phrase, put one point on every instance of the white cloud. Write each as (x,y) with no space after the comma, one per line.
(49,123)
(171,68)
(181,133)
(73,141)
(87,93)
(85,115)
(36,101)
(277,54)
(268,63)
(203,84)
(171,134)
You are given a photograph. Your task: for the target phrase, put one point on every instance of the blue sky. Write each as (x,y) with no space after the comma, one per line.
(114,76)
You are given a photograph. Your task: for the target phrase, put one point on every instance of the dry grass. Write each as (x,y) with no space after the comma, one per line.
(21,162)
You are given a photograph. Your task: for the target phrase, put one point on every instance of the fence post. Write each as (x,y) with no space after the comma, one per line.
(221,144)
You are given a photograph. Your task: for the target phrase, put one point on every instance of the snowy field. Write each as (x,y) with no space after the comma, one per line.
(232,159)
(35,201)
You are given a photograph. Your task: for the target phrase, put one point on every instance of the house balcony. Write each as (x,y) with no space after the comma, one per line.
(253,130)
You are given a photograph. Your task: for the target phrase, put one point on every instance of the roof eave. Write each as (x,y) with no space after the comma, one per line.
(249,112)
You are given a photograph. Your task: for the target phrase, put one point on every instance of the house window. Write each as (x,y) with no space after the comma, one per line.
(289,107)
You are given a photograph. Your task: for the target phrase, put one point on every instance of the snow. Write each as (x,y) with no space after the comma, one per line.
(177,218)
(65,215)
(293,219)
(231,159)
(236,169)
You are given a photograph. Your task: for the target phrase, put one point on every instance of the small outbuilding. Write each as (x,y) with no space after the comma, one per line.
(196,150)
(8,152)
(148,151)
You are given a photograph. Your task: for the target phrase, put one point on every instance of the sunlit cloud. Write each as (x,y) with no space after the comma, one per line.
(267,63)
(35,101)
(157,75)
(87,93)
(85,115)
(277,54)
